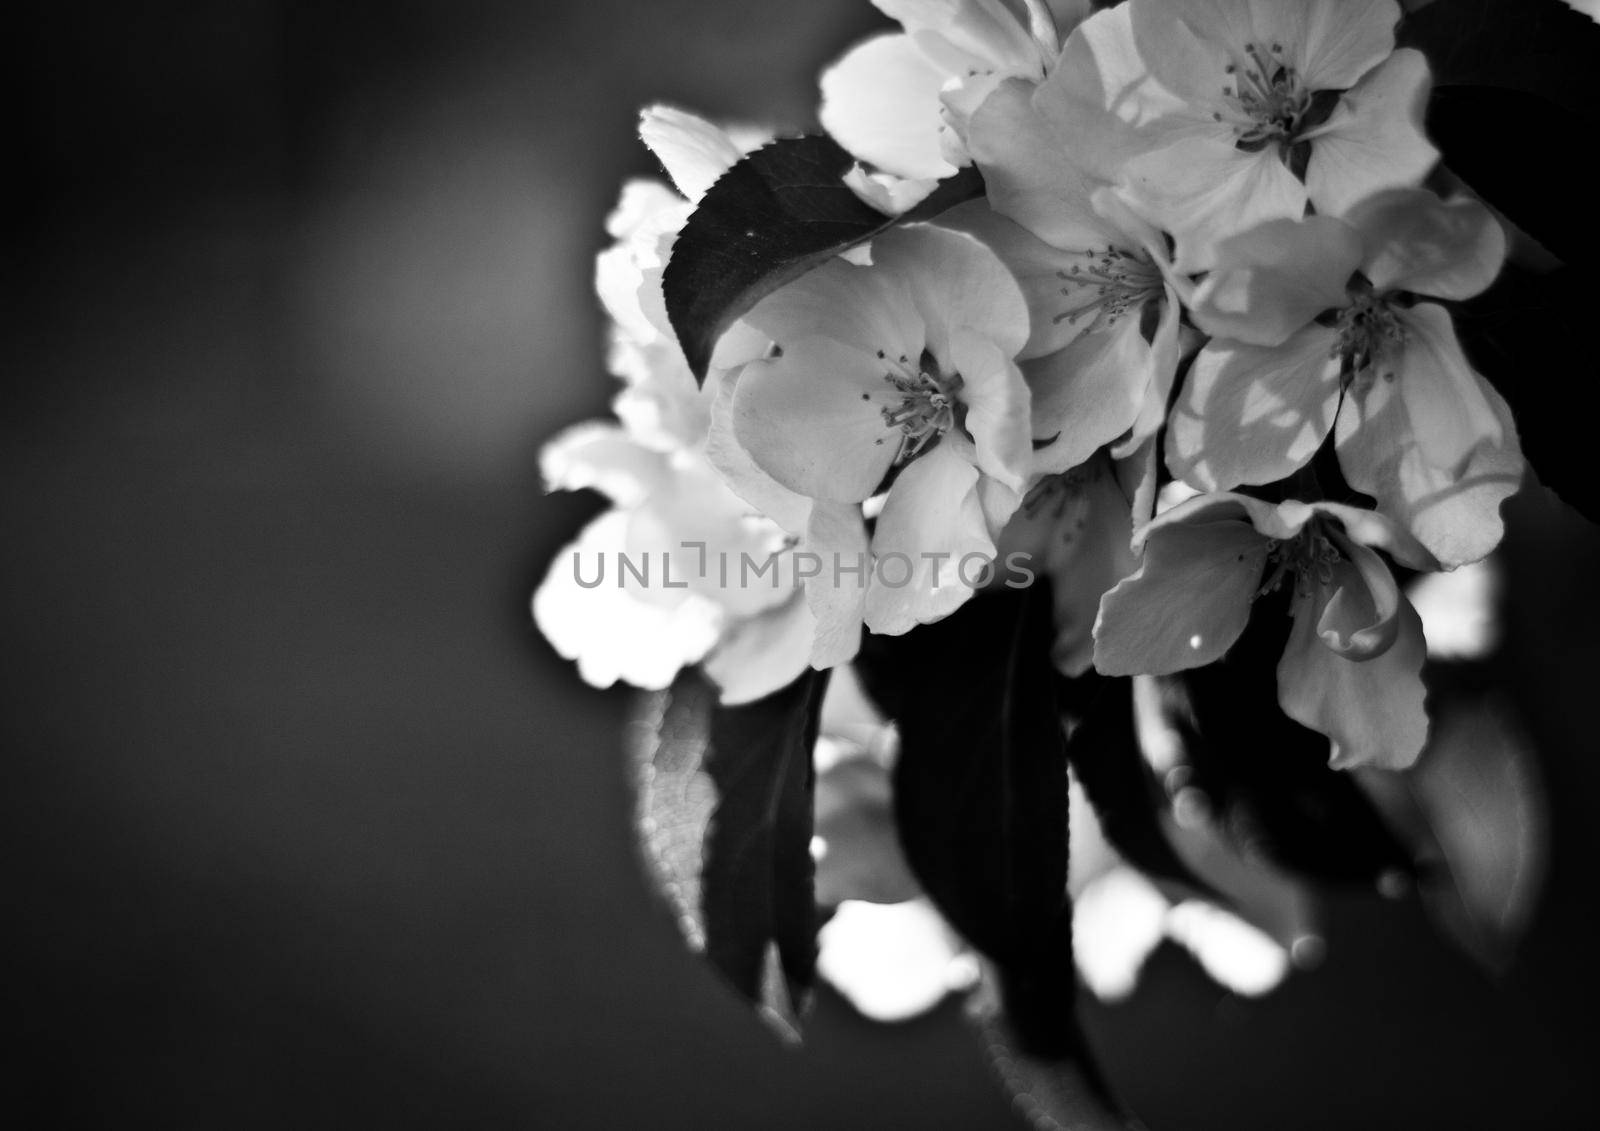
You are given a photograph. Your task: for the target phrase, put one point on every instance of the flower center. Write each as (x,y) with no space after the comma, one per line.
(1107,286)
(922,404)
(1308,559)
(1370,332)
(1271,99)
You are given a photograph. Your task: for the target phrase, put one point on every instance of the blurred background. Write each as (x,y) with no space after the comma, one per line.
(304,825)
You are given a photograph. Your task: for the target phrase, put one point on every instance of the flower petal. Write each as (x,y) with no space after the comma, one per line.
(954,279)
(1036,266)
(611,633)
(809,419)
(967,34)
(1453,511)
(1448,403)
(606,458)
(1360,616)
(1375,139)
(997,401)
(789,509)
(933,509)
(1372,709)
(1187,604)
(1340,40)
(763,653)
(881,102)
(1188,44)
(1450,249)
(864,307)
(1088,394)
(694,151)
(1204,190)
(1275,278)
(837,535)
(1029,174)
(1249,414)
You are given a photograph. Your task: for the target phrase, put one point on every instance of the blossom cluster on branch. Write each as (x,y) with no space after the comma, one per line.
(1190,347)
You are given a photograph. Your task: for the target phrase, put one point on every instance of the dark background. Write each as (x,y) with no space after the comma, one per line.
(306,826)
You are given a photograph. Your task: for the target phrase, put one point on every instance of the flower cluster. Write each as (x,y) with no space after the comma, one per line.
(1191,351)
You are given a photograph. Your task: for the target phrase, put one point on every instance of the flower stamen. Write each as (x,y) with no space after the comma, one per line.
(1308,559)
(1118,280)
(927,405)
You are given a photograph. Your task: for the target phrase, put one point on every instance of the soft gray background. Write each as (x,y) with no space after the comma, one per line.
(307,826)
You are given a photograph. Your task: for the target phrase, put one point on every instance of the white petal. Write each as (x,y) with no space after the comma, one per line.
(864,307)
(809,419)
(881,102)
(982,34)
(1250,414)
(1342,39)
(694,151)
(1037,268)
(1450,249)
(1088,394)
(1030,174)
(1453,511)
(837,536)
(931,522)
(1374,140)
(606,458)
(1371,709)
(789,509)
(1203,191)
(604,627)
(1275,278)
(955,280)
(761,654)
(1187,604)
(997,401)
(1450,411)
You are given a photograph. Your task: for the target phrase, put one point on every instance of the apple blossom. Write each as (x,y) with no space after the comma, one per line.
(1320,327)
(1351,665)
(895,376)
(900,100)
(1215,115)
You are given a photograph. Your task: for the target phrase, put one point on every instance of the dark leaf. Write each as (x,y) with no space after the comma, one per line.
(756,893)
(1266,777)
(981,799)
(724,805)
(779,212)
(1541,47)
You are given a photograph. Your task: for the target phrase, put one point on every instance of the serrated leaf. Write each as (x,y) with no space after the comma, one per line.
(779,212)
(757,897)
(724,811)
(981,797)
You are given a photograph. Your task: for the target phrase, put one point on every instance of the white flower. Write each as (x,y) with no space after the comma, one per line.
(896,375)
(1216,115)
(1351,666)
(900,101)
(1320,329)
(661,403)
(656,583)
